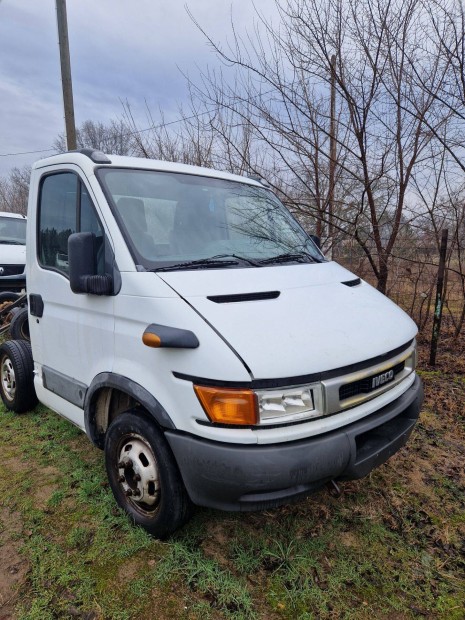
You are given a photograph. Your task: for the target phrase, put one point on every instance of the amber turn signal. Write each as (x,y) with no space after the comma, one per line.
(228,406)
(151,340)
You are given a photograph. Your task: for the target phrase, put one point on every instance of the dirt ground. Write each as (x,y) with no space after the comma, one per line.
(13,566)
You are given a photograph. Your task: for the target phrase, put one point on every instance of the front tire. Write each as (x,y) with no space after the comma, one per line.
(143,474)
(17,376)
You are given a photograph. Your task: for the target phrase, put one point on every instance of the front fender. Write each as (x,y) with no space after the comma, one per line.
(129,387)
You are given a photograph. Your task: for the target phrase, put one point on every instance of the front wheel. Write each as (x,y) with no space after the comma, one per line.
(143,474)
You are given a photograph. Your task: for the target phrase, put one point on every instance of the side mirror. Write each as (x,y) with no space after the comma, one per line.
(83,276)
(316,240)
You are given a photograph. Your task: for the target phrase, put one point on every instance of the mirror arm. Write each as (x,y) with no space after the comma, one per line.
(97,285)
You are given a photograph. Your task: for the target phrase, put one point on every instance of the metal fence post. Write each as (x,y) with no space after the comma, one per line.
(439,298)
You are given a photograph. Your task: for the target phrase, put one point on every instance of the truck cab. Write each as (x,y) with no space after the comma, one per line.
(184,320)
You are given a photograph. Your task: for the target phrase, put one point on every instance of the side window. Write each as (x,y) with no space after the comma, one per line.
(58,203)
(65,208)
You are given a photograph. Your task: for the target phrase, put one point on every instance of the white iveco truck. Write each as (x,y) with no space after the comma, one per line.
(187,323)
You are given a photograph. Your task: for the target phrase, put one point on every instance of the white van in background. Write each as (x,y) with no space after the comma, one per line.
(12,249)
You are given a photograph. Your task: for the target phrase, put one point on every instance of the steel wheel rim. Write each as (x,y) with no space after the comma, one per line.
(138,474)
(8,379)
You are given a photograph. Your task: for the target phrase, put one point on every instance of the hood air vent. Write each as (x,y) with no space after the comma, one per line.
(230,299)
(355,282)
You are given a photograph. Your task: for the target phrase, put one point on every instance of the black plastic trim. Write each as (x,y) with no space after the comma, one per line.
(173,337)
(70,389)
(14,282)
(36,305)
(355,282)
(228,299)
(97,156)
(130,387)
(258,384)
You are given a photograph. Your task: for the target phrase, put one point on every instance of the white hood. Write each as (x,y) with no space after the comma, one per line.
(316,324)
(12,254)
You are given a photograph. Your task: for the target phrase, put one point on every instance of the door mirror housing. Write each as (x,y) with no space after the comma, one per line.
(316,240)
(83,277)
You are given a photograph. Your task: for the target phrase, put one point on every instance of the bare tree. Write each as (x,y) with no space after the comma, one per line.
(113,137)
(14,191)
(444,37)
(280,90)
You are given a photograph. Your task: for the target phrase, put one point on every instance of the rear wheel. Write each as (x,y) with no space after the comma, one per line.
(17,376)
(19,326)
(144,476)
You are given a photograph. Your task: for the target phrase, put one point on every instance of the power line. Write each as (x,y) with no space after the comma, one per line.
(25,153)
(129,133)
(137,131)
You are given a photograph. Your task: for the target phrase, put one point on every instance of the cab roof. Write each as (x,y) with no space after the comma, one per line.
(88,160)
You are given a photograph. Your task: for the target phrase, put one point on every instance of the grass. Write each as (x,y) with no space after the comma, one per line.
(392,546)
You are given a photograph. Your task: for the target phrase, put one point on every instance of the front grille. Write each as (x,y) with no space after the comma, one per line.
(11,270)
(365,386)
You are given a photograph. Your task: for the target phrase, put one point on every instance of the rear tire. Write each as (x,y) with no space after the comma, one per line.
(19,326)
(17,376)
(143,474)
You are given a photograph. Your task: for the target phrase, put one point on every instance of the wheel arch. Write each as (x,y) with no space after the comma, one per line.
(111,394)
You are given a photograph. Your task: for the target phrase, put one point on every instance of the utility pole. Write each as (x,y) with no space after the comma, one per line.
(66,74)
(332,155)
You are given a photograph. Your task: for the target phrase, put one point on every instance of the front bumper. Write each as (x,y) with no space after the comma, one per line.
(13,283)
(257,477)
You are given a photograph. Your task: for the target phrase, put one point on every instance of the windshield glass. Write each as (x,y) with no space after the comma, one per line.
(176,220)
(12,230)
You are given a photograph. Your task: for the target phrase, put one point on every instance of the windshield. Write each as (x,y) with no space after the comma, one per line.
(12,230)
(184,221)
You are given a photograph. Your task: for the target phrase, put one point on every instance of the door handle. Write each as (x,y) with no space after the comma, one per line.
(36,305)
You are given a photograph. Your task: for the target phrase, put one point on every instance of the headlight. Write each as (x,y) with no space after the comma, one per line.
(260,407)
(288,405)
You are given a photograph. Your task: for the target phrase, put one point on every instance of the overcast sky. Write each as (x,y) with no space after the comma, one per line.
(120,49)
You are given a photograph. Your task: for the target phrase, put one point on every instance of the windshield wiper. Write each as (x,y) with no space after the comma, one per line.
(11,242)
(211,262)
(300,257)
(202,263)
(244,259)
